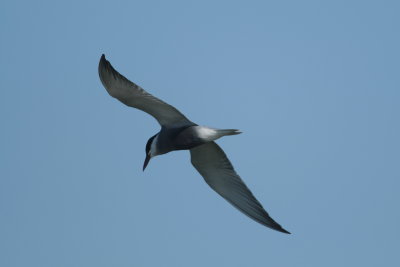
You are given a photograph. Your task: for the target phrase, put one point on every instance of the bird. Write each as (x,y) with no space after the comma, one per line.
(179,133)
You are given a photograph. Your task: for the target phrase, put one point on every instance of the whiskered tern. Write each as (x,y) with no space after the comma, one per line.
(179,133)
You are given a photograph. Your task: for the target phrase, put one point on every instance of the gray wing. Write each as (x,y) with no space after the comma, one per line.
(134,96)
(211,162)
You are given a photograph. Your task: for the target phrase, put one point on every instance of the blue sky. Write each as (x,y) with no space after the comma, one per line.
(313,85)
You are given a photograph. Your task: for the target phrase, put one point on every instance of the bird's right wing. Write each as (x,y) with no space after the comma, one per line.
(212,163)
(134,96)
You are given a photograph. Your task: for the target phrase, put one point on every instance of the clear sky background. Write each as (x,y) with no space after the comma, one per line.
(313,85)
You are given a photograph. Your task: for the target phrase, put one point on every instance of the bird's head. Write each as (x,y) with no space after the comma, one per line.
(151,150)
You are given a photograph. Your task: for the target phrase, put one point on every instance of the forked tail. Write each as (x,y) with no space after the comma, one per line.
(207,134)
(223,132)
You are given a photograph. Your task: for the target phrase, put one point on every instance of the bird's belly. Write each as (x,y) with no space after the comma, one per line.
(194,136)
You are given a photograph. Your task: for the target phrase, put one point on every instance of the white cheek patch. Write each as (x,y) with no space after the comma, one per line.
(153,147)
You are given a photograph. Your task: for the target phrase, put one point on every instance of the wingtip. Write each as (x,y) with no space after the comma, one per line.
(280,229)
(103,58)
(102,64)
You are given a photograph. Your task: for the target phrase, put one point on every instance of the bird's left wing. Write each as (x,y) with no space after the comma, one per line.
(212,163)
(133,95)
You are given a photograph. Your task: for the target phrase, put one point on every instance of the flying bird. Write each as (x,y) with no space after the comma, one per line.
(179,133)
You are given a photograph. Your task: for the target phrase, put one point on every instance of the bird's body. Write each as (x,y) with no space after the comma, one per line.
(179,133)
(185,138)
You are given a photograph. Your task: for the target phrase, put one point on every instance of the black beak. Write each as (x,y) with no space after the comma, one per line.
(146,161)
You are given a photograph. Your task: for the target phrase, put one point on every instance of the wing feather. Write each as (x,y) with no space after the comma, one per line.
(133,95)
(212,163)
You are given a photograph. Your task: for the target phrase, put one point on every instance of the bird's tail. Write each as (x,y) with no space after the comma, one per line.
(223,132)
(207,134)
